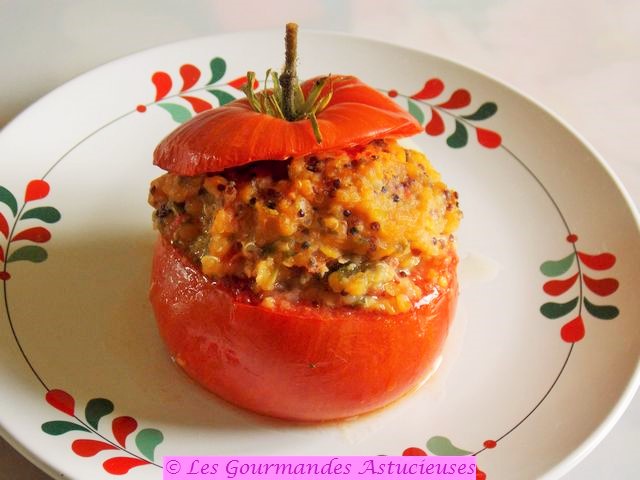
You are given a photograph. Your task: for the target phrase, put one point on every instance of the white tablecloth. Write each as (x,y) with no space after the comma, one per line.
(580,58)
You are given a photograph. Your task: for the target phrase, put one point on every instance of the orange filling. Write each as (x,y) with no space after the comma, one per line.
(342,228)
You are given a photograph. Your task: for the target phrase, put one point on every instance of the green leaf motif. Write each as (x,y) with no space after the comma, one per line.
(147,440)
(29,253)
(96,409)
(59,427)
(555,268)
(485,111)
(46,214)
(443,446)
(218,69)
(603,312)
(222,96)
(416,111)
(9,200)
(459,138)
(554,310)
(178,113)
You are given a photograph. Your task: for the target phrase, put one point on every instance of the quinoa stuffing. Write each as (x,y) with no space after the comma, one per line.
(342,228)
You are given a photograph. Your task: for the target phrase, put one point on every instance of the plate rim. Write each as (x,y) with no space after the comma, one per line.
(623,401)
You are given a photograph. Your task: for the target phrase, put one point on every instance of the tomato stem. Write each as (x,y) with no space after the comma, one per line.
(289,76)
(286,99)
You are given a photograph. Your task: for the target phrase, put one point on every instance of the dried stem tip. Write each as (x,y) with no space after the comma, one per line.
(289,76)
(291,49)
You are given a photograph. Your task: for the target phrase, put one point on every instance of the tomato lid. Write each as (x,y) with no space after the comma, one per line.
(235,134)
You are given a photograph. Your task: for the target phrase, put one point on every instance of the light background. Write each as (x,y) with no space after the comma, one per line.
(580,58)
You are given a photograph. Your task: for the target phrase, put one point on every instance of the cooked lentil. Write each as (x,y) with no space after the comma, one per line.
(297,230)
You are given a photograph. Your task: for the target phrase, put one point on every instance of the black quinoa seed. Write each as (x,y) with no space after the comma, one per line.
(375,226)
(271,204)
(163,211)
(333,267)
(301,213)
(346,212)
(395,197)
(353,230)
(305,245)
(252,201)
(336,183)
(312,164)
(383,189)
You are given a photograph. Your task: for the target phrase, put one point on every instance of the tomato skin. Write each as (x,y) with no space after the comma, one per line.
(308,364)
(234,134)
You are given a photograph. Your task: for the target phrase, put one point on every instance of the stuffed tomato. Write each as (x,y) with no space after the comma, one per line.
(302,363)
(306,266)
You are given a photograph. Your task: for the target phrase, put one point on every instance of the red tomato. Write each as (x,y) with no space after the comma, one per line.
(235,134)
(302,363)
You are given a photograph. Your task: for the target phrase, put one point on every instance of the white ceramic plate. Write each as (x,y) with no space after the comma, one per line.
(87,387)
